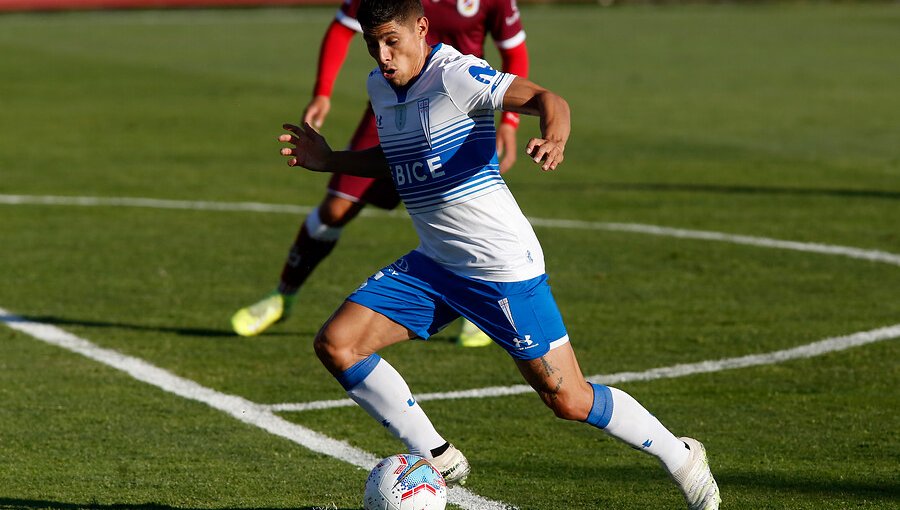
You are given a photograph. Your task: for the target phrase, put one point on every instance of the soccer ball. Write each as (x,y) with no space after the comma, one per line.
(405,482)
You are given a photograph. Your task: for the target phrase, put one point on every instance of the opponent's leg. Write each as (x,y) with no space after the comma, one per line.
(471,336)
(317,237)
(558,380)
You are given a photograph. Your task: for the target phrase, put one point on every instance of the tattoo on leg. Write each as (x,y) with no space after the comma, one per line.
(549,370)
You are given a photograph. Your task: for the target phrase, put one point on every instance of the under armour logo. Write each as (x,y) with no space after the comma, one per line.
(526,342)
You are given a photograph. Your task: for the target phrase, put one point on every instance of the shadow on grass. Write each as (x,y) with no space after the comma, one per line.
(11,503)
(813,485)
(753,190)
(717,189)
(183,331)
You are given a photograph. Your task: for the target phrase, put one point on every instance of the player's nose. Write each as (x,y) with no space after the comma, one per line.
(384,54)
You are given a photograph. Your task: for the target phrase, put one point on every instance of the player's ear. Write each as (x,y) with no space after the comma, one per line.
(422,27)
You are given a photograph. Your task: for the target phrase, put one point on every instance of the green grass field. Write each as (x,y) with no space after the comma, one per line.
(772,121)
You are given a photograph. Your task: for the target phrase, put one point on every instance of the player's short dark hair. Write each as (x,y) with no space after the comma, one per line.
(373,13)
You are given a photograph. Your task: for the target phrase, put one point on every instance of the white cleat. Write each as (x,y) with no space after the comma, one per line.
(452,465)
(696,480)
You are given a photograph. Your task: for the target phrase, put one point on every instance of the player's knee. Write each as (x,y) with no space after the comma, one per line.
(329,350)
(337,212)
(567,405)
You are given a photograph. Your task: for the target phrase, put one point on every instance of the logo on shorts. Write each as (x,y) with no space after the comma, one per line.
(401,264)
(524,343)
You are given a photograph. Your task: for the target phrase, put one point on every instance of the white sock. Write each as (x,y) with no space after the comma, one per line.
(624,418)
(385,396)
(320,231)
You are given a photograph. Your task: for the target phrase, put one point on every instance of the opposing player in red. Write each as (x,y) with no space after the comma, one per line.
(464,24)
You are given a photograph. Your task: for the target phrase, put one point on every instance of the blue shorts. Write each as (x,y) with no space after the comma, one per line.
(419,294)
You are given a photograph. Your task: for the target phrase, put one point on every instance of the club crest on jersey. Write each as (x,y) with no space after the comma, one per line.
(482,73)
(425,119)
(467,8)
(400,116)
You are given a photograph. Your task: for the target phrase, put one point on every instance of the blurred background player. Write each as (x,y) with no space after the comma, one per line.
(464,24)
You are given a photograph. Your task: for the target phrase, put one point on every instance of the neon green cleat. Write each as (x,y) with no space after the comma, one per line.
(256,318)
(471,336)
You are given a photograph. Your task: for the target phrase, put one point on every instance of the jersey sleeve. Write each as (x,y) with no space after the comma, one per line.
(505,24)
(332,54)
(346,15)
(474,85)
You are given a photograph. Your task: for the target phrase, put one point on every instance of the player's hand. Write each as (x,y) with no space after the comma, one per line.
(310,150)
(547,153)
(506,146)
(316,111)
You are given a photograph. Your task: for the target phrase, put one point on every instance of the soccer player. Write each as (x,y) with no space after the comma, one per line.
(463,24)
(478,256)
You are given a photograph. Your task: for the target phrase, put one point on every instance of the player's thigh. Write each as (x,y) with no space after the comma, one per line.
(404,292)
(354,333)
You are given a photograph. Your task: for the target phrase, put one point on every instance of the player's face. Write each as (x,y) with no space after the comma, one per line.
(399,48)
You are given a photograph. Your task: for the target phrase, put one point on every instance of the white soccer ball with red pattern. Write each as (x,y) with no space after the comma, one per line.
(405,482)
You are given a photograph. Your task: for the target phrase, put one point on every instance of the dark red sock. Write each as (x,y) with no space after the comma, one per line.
(305,255)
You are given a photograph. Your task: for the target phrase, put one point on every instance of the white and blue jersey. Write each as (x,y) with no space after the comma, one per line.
(439,138)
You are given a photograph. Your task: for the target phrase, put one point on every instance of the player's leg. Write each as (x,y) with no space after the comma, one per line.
(558,380)
(348,345)
(522,317)
(317,236)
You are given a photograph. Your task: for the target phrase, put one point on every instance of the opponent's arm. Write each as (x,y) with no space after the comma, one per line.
(311,151)
(529,98)
(332,54)
(515,61)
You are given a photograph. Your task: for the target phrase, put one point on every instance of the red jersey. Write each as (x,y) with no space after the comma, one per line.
(463,24)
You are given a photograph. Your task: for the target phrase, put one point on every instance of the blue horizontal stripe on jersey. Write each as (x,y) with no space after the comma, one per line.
(423,192)
(446,151)
(470,195)
(468,187)
(421,150)
(391,144)
(490,180)
(472,175)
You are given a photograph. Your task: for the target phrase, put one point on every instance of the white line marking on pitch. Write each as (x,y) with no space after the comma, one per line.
(636,228)
(237,407)
(804,351)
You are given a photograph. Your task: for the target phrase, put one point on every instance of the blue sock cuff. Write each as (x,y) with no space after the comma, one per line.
(359,371)
(601,411)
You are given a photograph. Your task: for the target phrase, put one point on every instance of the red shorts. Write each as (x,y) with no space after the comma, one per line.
(378,192)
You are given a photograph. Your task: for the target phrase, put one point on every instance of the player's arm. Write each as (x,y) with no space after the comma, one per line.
(529,98)
(311,151)
(332,54)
